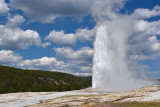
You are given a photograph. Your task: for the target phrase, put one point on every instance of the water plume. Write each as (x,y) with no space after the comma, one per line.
(111,71)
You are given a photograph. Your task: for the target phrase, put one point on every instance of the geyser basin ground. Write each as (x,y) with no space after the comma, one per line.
(79,98)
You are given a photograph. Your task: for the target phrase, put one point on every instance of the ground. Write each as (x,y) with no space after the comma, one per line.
(143,97)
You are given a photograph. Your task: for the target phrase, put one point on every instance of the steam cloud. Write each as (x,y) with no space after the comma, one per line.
(112,69)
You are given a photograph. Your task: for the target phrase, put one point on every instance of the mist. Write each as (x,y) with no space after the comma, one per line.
(113,70)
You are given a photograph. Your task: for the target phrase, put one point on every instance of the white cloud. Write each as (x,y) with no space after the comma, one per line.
(79,61)
(138,57)
(40,10)
(13,37)
(86,68)
(68,40)
(77,65)
(61,39)
(146,13)
(44,45)
(15,21)
(86,34)
(143,43)
(16,38)
(9,57)
(155,44)
(3,7)
(82,74)
(149,28)
(141,34)
(68,54)
(44,63)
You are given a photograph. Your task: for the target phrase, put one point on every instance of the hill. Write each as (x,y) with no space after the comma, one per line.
(17,80)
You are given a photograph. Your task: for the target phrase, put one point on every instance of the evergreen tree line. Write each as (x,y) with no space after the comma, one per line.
(17,80)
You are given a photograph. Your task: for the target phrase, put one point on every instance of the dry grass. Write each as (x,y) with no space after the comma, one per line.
(133,104)
(88,105)
(125,99)
(8,101)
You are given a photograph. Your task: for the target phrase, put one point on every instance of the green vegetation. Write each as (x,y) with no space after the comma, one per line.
(17,80)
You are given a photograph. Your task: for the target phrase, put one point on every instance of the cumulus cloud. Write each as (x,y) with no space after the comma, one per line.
(62,39)
(79,61)
(69,54)
(44,45)
(9,57)
(86,34)
(18,39)
(40,10)
(13,37)
(143,43)
(146,13)
(80,64)
(83,74)
(15,21)
(149,28)
(155,44)
(44,63)
(3,7)
(68,40)
(75,62)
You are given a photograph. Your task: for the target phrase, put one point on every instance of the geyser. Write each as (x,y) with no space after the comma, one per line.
(110,67)
(117,34)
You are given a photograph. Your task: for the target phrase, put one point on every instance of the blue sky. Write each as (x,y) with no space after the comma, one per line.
(59,35)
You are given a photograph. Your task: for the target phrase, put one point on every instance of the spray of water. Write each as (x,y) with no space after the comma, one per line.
(110,68)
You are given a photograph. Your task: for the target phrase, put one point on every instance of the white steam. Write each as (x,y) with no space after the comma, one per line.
(111,70)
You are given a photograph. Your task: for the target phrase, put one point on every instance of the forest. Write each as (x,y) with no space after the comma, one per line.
(14,80)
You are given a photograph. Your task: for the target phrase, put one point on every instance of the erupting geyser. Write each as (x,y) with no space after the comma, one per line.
(113,70)
(110,68)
